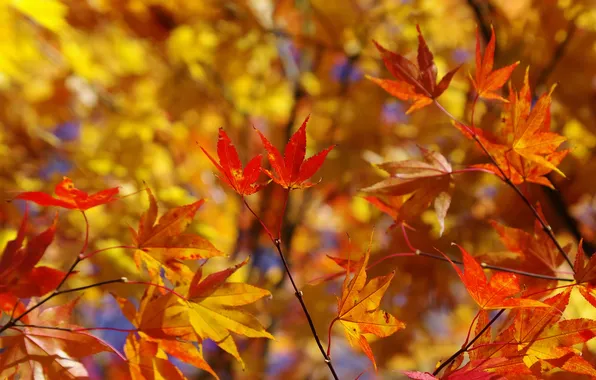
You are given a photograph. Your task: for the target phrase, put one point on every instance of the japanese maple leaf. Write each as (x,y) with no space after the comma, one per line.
(164,244)
(497,293)
(211,309)
(486,81)
(484,369)
(148,358)
(358,309)
(147,361)
(525,148)
(417,83)
(543,339)
(68,196)
(230,167)
(424,181)
(19,275)
(292,171)
(531,252)
(34,351)
(585,274)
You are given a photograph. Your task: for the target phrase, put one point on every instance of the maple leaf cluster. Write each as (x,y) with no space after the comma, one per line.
(184,298)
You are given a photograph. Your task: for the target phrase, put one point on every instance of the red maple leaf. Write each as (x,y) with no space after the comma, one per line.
(485,80)
(68,196)
(417,83)
(19,276)
(291,170)
(230,167)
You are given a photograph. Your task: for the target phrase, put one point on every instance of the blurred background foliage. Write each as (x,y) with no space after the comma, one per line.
(123,92)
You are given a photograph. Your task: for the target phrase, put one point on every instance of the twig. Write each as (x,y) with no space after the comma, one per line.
(300,297)
(82,329)
(465,348)
(57,292)
(500,269)
(545,226)
(297,293)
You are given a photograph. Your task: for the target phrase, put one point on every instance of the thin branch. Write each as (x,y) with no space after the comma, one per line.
(75,330)
(297,293)
(57,292)
(465,348)
(300,297)
(497,268)
(545,226)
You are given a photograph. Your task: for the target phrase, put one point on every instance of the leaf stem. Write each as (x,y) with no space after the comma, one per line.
(159,286)
(329,336)
(465,348)
(91,254)
(283,212)
(259,219)
(545,226)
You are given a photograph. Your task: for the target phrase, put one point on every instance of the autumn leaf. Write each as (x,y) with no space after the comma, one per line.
(486,81)
(35,351)
(148,357)
(147,361)
(530,252)
(481,349)
(68,196)
(525,148)
(585,274)
(358,309)
(211,309)
(424,181)
(19,276)
(164,244)
(291,171)
(545,340)
(497,293)
(244,182)
(417,83)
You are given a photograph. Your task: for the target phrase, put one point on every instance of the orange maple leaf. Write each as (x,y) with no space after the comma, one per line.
(542,337)
(486,81)
(230,167)
(163,244)
(525,148)
(358,308)
(417,83)
(585,274)
(497,293)
(68,196)
(291,170)
(534,252)
(158,337)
